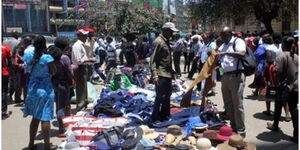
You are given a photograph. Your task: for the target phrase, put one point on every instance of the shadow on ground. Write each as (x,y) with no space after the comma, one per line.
(38,146)
(263,116)
(273,137)
(53,133)
(279,146)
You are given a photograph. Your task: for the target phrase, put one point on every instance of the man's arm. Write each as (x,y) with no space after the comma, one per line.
(154,59)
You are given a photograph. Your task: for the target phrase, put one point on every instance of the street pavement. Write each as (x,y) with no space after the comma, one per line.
(15,130)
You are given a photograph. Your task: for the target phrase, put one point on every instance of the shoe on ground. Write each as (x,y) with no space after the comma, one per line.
(6,115)
(271,127)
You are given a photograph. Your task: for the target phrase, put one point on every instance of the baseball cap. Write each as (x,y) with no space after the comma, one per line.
(82,32)
(171,26)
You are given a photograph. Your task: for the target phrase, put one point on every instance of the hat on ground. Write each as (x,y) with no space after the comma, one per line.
(171,26)
(182,147)
(149,134)
(236,142)
(82,32)
(224,133)
(210,134)
(131,137)
(174,130)
(204,144)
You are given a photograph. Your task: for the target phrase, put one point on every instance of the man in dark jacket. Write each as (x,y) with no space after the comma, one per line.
(162,72)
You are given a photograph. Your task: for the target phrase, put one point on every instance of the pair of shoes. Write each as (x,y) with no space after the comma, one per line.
(287,119)
(271,127)
(211,94)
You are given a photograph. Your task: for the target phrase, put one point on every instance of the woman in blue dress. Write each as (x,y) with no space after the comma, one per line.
(40,97)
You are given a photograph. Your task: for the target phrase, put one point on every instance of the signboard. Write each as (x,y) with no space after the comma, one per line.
(21,1)
(71,35)
(19,6)
(18,29)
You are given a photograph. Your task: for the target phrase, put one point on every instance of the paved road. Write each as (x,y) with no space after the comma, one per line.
(15,130)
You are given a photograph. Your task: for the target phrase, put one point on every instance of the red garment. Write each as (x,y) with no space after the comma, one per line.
(250,43)
(18,63)
(6,53)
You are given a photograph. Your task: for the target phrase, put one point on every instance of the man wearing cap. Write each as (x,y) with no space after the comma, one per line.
(80,59)
(162,72)
(233,80)
(90,47)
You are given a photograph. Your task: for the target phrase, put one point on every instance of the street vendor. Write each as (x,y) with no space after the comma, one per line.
(162,72)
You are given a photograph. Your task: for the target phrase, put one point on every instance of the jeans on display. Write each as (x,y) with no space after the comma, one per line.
(162,101)
(4,93)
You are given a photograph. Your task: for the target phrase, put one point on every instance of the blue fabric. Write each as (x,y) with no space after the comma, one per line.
(193,122)
(40,96)
(260,56)
(180,122)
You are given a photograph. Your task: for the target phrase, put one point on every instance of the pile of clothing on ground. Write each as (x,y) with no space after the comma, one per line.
(121,119)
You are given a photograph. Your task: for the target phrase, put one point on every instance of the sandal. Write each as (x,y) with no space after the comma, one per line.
(271,127)
(287,119)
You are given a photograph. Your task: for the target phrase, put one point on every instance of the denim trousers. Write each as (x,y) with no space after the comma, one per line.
(162,100)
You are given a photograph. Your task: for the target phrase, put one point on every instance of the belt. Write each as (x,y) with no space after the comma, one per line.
(233,72)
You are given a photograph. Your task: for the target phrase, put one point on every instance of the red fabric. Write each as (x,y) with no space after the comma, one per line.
(6,53)
(249,43)
(271,75)
(175,110)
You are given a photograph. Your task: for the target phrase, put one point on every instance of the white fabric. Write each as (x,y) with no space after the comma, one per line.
(274,49)
(229,63)
(78,53)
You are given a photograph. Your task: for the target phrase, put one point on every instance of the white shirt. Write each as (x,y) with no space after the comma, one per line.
(229,63)
(78,53)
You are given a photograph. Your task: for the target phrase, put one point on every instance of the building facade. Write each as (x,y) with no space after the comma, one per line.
(25,16)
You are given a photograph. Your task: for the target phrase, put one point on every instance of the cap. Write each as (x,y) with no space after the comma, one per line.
(171,26)
(82,32)
(89,29)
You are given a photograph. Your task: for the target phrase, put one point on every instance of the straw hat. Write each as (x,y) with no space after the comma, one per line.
(204,144)
(149,134)
(174,130)
(235,142)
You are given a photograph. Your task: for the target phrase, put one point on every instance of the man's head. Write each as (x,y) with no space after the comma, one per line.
(226,34)
(109,39)
(82,35)
(15,34)
(168,29)
(62,43)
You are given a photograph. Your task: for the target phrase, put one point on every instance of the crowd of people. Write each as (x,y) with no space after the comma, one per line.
(28,68)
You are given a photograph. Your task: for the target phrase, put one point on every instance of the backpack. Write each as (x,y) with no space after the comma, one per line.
(248,61)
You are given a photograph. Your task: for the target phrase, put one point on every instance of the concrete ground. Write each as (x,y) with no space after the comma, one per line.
(15,130)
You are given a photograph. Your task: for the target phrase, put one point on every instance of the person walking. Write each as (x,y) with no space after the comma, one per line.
(286,68)
(18,63)
(178,48)
(12,43)
(162,73)
(111,57)
(233,80)
(6,63)
(40,96)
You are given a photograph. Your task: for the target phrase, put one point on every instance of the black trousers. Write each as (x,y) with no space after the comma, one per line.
(190,59)
(4,93)
(163,90)
(194,68)
(185,60)
(176,58)
(292,102)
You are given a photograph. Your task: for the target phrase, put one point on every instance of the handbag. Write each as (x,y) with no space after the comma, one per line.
(107,139)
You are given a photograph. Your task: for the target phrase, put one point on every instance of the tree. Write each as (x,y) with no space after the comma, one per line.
(264,10)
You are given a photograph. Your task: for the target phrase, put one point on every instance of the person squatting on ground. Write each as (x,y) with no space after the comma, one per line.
(40,96)
(162,73)
(233,80)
